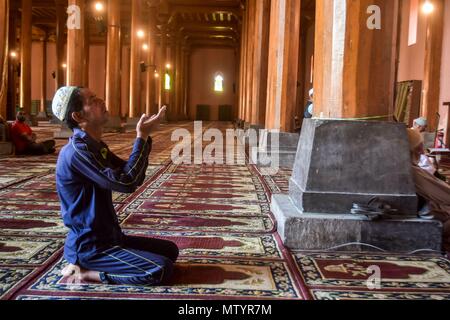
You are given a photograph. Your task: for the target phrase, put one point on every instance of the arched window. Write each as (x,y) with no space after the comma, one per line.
(167,84)
(218,83)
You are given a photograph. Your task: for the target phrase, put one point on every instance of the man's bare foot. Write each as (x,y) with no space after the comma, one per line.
(75,273)
(70,270)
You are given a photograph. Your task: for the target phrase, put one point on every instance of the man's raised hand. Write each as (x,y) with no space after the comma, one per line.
(148,124)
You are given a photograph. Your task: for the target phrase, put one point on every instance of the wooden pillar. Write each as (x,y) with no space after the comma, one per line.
(433,56)
(242,74)
(86,52)
(61,19)
(113,54)
(178,74)
(43,104)
(125,83)
(447,133)
(172,114)
(162,66)
(249,65)
(355,64)
(4,32)
(151,85)
(13,62)
(284,51)
(260,61)
(75,48)
(25,57)
(135,72)
(187,81)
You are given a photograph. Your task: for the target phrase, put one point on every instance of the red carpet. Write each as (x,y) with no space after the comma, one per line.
(220,218)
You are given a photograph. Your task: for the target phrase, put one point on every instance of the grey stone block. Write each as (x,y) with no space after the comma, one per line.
(63,133)
(114,125)
(285,149)
(6,148)
(341,162)
(305,231)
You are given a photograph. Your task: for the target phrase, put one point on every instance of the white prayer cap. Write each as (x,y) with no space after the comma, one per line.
(421,122)
(61,101)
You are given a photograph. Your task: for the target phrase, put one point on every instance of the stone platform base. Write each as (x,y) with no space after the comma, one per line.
(286,158)
(6,148)
(285,150)
(303,231)
(114,125)
(63,133)
(131,124)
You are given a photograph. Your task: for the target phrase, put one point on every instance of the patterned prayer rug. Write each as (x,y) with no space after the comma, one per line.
(401,277)
(205,278)
(220,218)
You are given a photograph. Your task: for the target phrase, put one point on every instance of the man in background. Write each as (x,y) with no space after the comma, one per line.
(25,140)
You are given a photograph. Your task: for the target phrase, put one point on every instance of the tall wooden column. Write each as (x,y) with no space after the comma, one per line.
(355,64)
(260,61)
(13,62)
(75,49)
(113,54)
(151,84)
(86,52)
(162,66)
(250,57)
(284,49)
(42,107)
(61,19)
(4,32)
(242,73)
(172,113)
(135,72)
(25,57)
(186,74)
(433,56)
(178,74)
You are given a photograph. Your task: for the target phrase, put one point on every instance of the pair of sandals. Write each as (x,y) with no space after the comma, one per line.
(374,210)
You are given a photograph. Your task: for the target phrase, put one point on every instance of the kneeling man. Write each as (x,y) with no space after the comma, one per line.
(87,172)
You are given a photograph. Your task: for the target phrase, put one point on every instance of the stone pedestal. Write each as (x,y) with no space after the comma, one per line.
(131,124)
(63,133)
(285,149)
(42,116)
(307,231)
(114,125)
(6,148)
(249,137)
(340,163)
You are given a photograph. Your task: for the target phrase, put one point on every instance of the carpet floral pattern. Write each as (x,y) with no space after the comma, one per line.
(218,215)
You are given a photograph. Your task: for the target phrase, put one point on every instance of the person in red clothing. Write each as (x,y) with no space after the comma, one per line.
(25,140)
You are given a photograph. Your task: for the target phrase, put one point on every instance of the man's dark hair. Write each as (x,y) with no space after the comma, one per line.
(76,103)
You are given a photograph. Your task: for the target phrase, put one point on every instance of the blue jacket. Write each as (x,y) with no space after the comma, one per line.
(86,174)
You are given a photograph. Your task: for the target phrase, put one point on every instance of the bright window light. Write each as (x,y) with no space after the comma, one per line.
(218,84)
(167,84)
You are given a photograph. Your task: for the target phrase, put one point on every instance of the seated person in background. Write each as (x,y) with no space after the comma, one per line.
(25,140)
(309,108)
(86,174)
(433,191)
(420,125)
(3,129)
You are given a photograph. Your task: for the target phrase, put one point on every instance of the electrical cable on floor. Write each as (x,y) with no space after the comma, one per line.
(375,247)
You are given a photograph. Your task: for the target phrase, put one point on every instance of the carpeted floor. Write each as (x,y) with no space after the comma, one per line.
(220,218)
